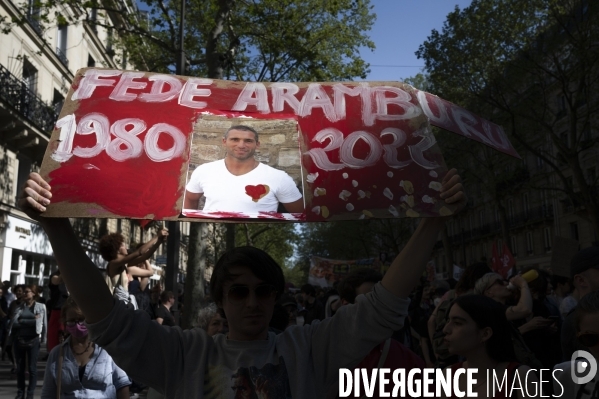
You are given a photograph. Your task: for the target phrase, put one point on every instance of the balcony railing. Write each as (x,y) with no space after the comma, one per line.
(16,93)
(35,24)
(62,57)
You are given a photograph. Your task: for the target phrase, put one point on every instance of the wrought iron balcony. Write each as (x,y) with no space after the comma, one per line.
(62,57)
(16,93)
(35,24)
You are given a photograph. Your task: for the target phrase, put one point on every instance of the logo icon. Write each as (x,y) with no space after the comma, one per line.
(583,371)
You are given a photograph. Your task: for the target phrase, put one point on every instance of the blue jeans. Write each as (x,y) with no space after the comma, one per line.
(22,355)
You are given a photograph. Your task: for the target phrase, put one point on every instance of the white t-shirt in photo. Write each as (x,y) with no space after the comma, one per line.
(259,190)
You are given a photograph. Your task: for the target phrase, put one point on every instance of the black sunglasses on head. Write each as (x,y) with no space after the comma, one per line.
(263,292)
(589,339)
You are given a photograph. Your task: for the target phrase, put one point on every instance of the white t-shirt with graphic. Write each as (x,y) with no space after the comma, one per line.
(259,190)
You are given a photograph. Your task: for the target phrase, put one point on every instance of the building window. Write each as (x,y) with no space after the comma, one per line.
(540,162)
(547,236)
(510,209)
(529,243)
(525,204)
(61,44)
(565,139)
(57,101)
(574,231)
(561,107)
(90,61)
(93,17)
(591,176)
(481,217)
(29,76)
(514,242)
(25,168)
(33,16)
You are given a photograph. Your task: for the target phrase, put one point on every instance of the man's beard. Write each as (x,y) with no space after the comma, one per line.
(245,157)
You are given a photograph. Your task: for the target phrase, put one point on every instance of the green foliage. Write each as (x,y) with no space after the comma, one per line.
(277,239)
(268,40)
(420,82)
(358,239)
(531,67)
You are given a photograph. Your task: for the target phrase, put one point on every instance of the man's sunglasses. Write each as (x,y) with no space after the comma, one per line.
(263,292)
(589,339)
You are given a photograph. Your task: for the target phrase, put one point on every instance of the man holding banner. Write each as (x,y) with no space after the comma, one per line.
(239,183)
(302,362)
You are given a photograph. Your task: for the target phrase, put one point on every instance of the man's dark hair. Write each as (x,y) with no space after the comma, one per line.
(109,245)
(243,128)
(308,289)
(347,287)
(261,264)
(165,296)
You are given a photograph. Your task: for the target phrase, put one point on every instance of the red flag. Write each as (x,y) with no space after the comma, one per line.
(507,261)
(144,222)
(495,262)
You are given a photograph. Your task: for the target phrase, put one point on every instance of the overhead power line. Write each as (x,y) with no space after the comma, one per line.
(398,66)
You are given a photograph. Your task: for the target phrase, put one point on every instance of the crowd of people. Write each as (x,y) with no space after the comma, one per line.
(112,335)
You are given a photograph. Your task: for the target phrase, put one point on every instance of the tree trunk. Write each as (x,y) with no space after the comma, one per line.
(230,236)
(194,280)
(198,235)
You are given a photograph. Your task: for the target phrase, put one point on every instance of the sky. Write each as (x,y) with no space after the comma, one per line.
(400,28)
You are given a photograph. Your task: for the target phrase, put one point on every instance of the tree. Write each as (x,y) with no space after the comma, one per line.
(268,40)
(277,239)
(536,73)
(349,240)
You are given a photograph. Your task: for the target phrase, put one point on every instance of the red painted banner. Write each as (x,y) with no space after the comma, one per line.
(143,145)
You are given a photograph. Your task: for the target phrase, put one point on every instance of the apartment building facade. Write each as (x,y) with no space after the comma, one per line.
(38,62)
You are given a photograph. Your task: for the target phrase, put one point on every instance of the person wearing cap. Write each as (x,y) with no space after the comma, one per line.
(584,272)
(495,287)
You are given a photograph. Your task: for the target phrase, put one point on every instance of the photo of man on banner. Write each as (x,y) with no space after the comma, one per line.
(239,183)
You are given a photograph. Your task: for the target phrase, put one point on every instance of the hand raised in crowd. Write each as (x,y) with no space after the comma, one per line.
(162,234)
(452,190)
(35,196)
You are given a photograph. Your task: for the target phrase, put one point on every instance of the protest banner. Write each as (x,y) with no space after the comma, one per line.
(325,272)
(126,144)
